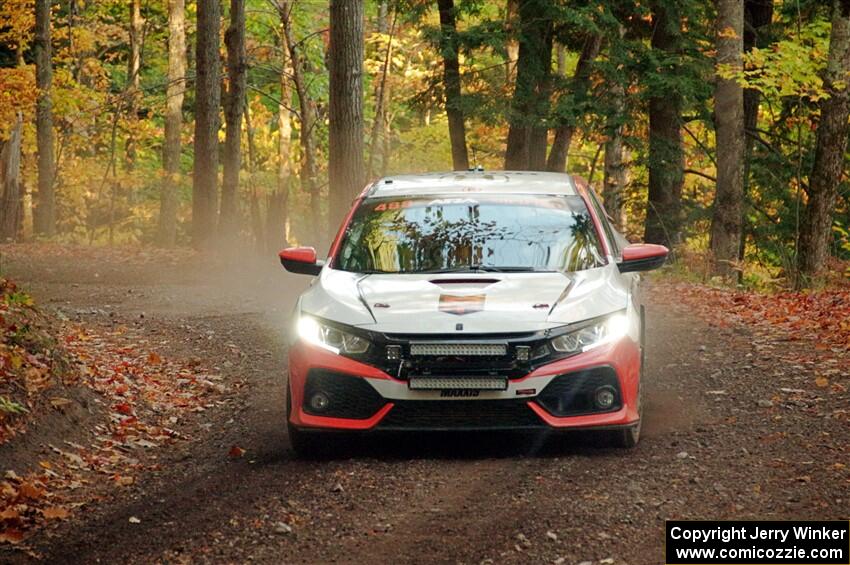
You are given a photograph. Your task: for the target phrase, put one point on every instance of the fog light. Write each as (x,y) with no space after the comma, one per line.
(604,397)
(393,352)
(523,353)
(319,402)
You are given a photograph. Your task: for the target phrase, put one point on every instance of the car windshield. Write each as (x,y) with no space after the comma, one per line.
(469,233)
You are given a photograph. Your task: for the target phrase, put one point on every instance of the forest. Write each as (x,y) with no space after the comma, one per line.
(717,128)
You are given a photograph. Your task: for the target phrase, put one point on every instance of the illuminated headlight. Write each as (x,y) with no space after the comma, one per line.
(330,338)
(604,331)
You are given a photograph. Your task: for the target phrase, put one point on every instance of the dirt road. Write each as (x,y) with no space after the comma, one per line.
(729,433)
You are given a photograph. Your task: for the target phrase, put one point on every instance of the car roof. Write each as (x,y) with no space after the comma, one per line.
(493,182)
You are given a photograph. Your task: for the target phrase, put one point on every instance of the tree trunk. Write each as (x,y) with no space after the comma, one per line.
(307,120)
(557,161)
(758,15)
(279,202)
(831,146)
(234,40)
(134,65)
(174,93)
(381,90)
(257,226)
(530,105)
(511,44)
(616,174)
(666,154)
(44,212)
(345,109)
(11,197)
(452,84)
(726,221)
(207,103)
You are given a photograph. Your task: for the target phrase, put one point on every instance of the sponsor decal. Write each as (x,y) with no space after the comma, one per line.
(461,305)
(459,393)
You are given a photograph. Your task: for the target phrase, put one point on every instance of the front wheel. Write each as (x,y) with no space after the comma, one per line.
(301,442)
(627,438)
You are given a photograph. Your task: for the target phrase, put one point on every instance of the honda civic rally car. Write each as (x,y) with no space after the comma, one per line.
(470,301)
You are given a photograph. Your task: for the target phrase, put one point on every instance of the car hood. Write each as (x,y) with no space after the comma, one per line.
(473,303)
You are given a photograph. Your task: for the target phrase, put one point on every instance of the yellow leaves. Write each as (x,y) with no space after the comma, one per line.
(727,33)
(17,94)
(822,382)
(17,22)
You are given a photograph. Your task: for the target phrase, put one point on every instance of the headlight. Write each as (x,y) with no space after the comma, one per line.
(593,335)
(330,338)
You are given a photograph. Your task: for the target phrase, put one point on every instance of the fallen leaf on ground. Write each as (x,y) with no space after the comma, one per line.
(236,452)
(11,536)
(55,512)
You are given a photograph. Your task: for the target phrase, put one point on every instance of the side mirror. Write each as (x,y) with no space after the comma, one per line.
(642,257)
(301,260)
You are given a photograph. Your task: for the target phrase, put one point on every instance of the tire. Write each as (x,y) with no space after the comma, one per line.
(628,438)
(302,443)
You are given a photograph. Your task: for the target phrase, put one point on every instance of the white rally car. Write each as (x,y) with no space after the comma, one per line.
(470,301)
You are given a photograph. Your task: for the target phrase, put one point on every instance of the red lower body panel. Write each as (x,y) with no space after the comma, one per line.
(623,357)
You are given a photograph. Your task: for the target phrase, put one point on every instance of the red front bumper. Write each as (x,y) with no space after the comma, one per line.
(622,356)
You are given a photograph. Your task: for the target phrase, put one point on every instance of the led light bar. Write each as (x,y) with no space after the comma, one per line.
(458,383)
(471,349)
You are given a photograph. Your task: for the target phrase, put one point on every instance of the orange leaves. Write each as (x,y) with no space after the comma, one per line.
(30,491)
(820,318)
(236,452)
(123,408)
(55,513)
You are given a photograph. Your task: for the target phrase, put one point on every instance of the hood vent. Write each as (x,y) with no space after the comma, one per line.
(472,283)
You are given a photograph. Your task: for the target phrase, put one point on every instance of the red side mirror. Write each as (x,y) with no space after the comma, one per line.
(301,260)
(643,257)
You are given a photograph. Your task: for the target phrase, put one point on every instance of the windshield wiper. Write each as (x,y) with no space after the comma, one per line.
(487,269)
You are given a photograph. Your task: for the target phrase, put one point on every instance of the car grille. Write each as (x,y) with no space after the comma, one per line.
(572,394)
(460,415)
(348,396)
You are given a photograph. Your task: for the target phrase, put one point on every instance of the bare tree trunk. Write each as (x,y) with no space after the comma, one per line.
(11,197)
(831,146)
(279,202)
(134,66)
(616,174)
(234,40)
(207,103)
(452,84)
(346,173)
(726,220)
(381,91)
(307,120)
(257,225)
(174,93)
(530,104)
(557,161)
(511,45)
(44,212)
(758,15)
(666,154)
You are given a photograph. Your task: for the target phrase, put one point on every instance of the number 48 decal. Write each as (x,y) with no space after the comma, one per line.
(395,205)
